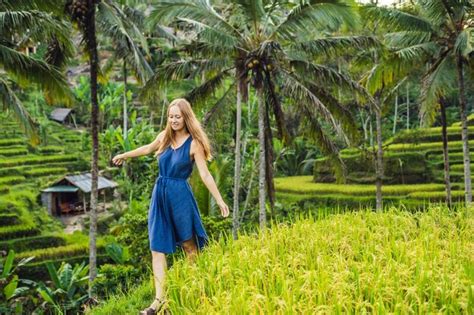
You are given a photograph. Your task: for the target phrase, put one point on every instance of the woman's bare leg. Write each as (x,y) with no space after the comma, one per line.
(190,248)
(159,270)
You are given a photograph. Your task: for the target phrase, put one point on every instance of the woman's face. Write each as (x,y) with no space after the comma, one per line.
(175,119)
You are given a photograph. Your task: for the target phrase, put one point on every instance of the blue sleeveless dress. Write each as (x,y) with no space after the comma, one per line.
(173,215)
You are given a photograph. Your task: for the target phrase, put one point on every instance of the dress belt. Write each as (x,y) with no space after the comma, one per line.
(174,178)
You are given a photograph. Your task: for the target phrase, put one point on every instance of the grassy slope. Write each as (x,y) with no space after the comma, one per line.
(24,170)
(354,262)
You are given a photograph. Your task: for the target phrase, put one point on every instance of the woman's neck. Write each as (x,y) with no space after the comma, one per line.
(181,133)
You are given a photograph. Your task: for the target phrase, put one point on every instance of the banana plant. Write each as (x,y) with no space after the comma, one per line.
(69,288)
(11,286)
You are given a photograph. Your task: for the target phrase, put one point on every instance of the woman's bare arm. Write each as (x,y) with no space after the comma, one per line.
(206,176)
(143,150)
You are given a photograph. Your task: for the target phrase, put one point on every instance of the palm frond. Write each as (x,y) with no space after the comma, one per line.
(464,41)
(177,70)
(302,95)
(340,112)
(436,11)
(396,20)
(211,112)
(31,70)
(197,10)
(212,35)
(58,53)
(320,14)
(9,101)
(254,10)
(331,46)
(407,38)
(272,99)
(125,35)
(437,82)
(200,93)
(323,75)
(37,24)
(417,52)
(43,5)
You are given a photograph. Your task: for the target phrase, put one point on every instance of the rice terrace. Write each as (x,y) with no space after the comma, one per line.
(236,157)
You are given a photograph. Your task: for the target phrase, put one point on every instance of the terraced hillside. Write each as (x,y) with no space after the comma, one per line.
(24,225)
(413,166)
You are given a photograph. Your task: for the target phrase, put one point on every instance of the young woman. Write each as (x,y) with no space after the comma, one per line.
(173,217)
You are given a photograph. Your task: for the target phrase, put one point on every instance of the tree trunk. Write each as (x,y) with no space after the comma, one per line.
(94,62)
(464,133)
(444,134)
(249,189)
(125,113)
(261,175)
(125,101)
(379,160)
(395,116)
(269,159)
(237,169)
(408,105)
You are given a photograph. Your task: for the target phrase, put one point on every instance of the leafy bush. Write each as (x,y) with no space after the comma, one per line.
(132,231)
(116,278)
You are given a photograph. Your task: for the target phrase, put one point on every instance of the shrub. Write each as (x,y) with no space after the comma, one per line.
(116,278)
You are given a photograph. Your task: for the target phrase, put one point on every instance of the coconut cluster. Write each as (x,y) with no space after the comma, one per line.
(78,10)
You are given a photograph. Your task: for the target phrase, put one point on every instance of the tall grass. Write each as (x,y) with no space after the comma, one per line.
(360,262)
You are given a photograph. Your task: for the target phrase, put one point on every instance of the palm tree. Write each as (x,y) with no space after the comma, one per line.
(83,12)
(28,21)
(257,41)
(122,25)
(443,32)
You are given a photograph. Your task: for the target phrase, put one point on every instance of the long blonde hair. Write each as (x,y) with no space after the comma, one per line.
(192,125)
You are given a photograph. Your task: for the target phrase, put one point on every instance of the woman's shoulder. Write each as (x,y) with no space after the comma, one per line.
(195,145)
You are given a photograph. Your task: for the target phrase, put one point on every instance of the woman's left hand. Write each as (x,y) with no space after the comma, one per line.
(224,209)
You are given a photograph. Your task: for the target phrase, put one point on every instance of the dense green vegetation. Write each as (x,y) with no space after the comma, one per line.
(318,112)
(24,227)
(392,262)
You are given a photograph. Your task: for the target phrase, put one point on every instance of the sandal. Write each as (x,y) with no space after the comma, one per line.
(153,310)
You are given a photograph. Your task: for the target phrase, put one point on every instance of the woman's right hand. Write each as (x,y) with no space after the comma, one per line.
(118,159)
